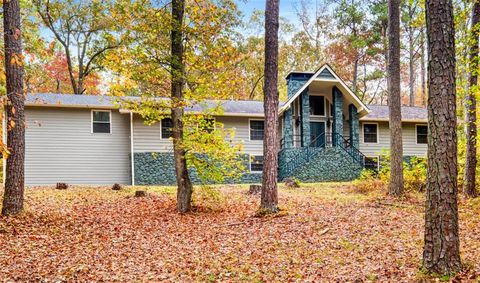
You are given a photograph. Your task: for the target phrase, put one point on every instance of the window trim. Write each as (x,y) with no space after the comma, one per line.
(363,133)
(250,130)
(91,120)
(324,105)
(161,128)
(250,157)
(416,134)
(374,156)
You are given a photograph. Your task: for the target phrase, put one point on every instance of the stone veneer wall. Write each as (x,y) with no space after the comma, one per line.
(337,112)
(294,84)
(331,165)
(354,126)
(305,99)
(288,128)
(158,168)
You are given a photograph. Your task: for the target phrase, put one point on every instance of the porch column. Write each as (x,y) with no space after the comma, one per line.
(287,128)
(354,126)
(305,118)
(337,113)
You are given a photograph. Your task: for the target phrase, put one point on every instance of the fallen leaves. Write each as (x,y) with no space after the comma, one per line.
(326,233)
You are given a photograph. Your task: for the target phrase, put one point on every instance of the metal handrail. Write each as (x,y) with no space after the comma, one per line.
(307,153)
(347,145)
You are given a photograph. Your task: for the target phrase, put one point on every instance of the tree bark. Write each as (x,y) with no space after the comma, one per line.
(184,185)
(269,198)
(14,179)
(411,65)
(394,99)
(469,188)
(441,252)
(422,68)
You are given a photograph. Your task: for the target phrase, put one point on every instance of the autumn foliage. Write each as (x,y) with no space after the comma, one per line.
(325,233)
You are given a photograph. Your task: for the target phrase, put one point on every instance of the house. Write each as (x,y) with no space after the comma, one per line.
(327,134)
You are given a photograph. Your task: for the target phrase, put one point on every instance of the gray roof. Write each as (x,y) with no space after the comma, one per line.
(409,113)
(92,101)
(247,107)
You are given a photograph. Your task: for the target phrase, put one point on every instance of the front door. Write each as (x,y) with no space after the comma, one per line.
(317,134)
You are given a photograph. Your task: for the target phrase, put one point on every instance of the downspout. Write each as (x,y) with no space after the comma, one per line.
(132,157)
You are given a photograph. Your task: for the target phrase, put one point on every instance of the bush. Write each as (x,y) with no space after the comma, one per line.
(208,197)
(368,182)
(414,174)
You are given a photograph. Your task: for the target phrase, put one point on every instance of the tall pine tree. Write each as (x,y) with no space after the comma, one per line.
(269,198)
(441,252)
(394,99)
(15,117)
(469,187)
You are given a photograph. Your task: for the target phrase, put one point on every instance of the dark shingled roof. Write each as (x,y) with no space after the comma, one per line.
(381,112)
(247,107)
(91,101)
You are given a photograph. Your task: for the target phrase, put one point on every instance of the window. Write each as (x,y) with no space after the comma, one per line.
(166,128)
(317,105)
(370,133)
(256,130)
(256,164)
(101,122)
(422,134)
(371,163)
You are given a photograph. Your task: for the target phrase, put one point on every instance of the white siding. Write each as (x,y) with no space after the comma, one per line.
(410,146)
(147,138)
(61,148)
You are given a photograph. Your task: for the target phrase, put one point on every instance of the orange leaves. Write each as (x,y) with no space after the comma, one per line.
(329,234)
(17,60)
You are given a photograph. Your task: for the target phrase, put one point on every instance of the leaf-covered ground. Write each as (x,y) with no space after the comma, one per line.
(325,232)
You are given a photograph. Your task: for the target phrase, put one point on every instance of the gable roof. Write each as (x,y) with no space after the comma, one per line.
(409,114)
(250,108)
(230,107)
(326,73)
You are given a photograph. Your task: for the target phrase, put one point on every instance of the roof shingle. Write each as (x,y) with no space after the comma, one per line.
(245,107)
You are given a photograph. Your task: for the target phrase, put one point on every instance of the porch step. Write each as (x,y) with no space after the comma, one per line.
(330,164)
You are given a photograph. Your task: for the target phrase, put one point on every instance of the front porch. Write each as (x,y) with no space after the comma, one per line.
(320,118)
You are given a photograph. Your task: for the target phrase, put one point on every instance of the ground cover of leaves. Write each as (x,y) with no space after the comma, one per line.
(324,233)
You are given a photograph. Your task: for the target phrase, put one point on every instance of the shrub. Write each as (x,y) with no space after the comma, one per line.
(209,197)
(368,182)
(414,174)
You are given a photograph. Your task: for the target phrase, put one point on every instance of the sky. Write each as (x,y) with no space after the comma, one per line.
(286,7)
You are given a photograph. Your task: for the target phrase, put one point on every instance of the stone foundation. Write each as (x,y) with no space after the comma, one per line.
(158,168)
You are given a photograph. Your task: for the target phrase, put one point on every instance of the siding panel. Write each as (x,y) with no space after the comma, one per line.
(61,148)
(410,146)
(147,138)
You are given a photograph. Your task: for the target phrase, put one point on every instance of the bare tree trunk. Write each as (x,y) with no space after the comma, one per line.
(441,252)
(469,188)
(269,199)
(14,179)
(422,67)
(411,65)
(394,99)
(184,185)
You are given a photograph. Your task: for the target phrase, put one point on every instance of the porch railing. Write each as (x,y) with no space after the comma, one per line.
(296,140)
(347,146)
(305,155)
(315,147)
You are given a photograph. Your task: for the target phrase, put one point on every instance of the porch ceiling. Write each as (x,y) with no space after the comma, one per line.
(325,86)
